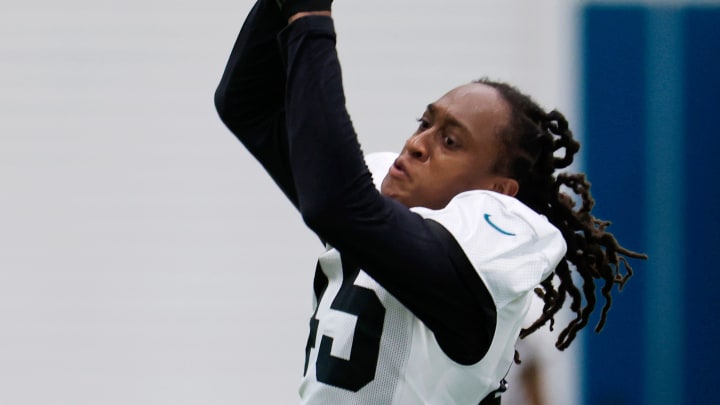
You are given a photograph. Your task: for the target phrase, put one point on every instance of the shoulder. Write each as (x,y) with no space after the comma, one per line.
(484,212)
(512,247)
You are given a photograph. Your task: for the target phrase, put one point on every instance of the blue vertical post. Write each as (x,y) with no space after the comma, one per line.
(702,201)
(615,91)
(665,175)
(652,107)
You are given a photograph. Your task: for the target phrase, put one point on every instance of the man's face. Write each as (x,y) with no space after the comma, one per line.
(453,150)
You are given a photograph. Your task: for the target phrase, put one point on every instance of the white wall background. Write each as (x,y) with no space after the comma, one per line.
(145,258)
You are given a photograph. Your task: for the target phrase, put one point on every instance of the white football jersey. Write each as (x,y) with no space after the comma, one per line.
(397,359)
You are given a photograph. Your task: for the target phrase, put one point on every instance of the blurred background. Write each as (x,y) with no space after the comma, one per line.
(145,258)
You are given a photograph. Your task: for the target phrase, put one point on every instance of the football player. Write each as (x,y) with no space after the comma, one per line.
(433,253)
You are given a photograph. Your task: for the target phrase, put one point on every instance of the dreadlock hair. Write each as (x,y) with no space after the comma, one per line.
(536,144)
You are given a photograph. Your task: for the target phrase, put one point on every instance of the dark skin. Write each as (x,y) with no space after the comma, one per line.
(531,378)
(454,149)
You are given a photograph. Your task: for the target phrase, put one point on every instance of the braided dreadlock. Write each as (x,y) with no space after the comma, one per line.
(536,144)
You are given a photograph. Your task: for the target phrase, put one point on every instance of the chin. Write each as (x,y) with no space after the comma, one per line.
(387,189)
(394,196)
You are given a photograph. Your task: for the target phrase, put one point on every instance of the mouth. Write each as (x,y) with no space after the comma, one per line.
(398,170)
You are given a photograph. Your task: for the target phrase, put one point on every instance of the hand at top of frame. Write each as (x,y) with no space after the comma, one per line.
(290,8)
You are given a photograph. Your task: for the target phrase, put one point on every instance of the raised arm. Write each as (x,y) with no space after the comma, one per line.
(416,260)
(251,95)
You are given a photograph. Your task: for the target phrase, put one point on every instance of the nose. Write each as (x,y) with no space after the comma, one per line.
(417,146)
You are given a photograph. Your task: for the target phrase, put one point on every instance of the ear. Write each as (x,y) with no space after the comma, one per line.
(506,185)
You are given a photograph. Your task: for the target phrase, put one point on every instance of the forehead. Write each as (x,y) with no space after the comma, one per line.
(477,106)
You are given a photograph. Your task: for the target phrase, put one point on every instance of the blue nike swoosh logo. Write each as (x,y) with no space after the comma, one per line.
(497,228)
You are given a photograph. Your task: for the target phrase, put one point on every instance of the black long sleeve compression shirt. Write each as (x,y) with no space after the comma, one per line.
(282,96)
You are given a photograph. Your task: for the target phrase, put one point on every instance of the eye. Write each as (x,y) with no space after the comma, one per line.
(423,124)
(449,141)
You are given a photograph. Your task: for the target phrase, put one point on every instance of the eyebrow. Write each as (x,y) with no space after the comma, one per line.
(432,109)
